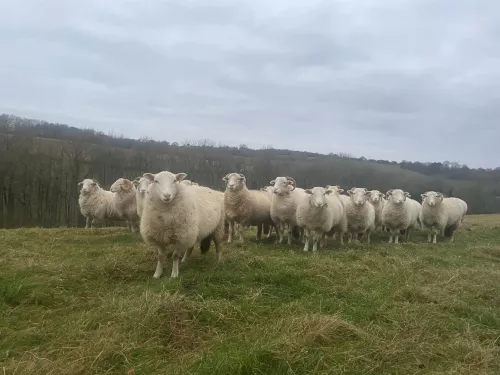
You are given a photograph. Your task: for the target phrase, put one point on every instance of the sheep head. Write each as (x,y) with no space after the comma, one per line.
(88,186)
(375,196)
(122,185)
(397,196)
(317,196)
(358,196)
(234,181)
(164,185)
(283,185)
(432,198)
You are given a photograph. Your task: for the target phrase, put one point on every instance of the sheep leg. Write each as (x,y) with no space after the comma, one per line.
(92,224)
(240,228)
(306,244)
(218,250)
(88,222)
(407,236)
(175,265)
(341,236)
(259,231)
(160,264)
(334,237)
(429,235)
(316,239)
(390,238)
(290,227)
(368,234)
(187,254)
(230,231)
(135,227)
(129,226)
(279,233)
(349,238)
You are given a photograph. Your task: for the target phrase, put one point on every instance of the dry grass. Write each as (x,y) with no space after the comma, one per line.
(82,302)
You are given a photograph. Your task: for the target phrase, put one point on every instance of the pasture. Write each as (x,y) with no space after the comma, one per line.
(76,301)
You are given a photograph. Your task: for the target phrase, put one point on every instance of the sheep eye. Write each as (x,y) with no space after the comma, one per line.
(155,181)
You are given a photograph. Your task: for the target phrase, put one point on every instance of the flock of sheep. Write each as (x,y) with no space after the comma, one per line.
(171,211)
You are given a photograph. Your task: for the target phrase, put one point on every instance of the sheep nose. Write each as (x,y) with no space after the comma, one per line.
(166,196)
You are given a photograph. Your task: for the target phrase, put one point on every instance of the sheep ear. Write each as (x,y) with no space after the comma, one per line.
(263,189)
(328,187)
(389,192)
(272,182)
(80,184)
(328,192)
(137,179)
(439,195)
(308,191)
(381,195)
(407,195)
(339,190)
(135,183)
(367,193)
(226,177)
(423,196)
(350,192)
(149,176)
(180,176)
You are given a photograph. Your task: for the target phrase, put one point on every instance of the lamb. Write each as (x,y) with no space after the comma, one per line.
(141,185)
(314,215)
(440,214)
(244,206)
(377,199)
(284,202)
(126,202)
(360,214)
(180,216)
(400,213)
(96,203)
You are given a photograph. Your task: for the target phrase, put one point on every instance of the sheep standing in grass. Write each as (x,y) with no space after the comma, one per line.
(377,199)
(314,215)
(284,202)
(180,216)
(400,213)
(244,206)
(440,214)
(96,203)
(141,187)
(126,203)
(360,214)
(337,205)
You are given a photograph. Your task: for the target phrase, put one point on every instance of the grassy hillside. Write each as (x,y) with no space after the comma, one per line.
(84,302)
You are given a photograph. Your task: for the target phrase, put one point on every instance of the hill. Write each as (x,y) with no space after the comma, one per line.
(78,301)
(41,164)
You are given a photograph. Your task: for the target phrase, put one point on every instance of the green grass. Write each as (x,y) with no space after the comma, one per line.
(84,302)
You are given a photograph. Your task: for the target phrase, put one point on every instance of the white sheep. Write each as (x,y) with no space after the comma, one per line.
(337,203)
(96,203)
(141,185)
(180,216)
(314,215)
(400,213)
(440,214)
(126,203)
(360,214)
(244,206)
(285,199)
(377,199)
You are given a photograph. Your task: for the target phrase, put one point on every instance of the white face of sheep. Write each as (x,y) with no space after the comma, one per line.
(359,196)
(164,185)
(375,196)
(317,196)
(282,185)
(142,185)
(335,189)
(432,198)
(397,196)
(87,186)
(121,185)
(234,181)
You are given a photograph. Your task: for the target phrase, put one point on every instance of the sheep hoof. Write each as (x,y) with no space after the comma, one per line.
(156,275)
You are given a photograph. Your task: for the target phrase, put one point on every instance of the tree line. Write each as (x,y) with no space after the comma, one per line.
(41,164)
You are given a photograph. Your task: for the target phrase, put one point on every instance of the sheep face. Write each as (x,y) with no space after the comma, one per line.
(397,196)
(88,186)
(359,196)
(317,196)
(234,181)
(121,185)
(335,189)
(142,185)
(164,186)
(375,196)
(282,185)
(432,198)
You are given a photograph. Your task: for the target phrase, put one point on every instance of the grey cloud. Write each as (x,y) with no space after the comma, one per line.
(394,79)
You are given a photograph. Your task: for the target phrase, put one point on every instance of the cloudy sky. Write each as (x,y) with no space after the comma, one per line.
(389,79)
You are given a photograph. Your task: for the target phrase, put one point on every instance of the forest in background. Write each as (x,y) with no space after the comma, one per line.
(41,164)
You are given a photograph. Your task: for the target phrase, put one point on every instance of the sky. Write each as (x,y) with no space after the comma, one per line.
(386,79)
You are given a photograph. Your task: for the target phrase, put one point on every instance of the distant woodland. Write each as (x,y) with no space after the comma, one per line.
(41,164)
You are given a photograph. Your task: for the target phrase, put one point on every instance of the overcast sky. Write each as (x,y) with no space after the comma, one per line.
(388,79)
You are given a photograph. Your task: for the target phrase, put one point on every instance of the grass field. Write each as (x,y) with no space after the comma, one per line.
(84,302)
